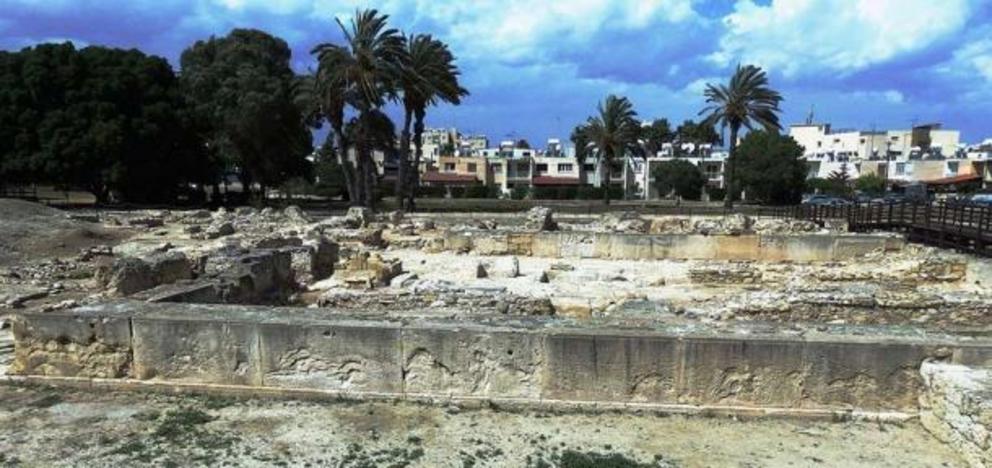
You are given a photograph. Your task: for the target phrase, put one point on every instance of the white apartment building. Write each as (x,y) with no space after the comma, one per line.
(469,145)
(889,152)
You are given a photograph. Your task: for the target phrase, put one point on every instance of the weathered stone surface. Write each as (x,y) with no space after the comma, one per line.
(725,273)
(956,407)
(536,358)
(541,218)
(128,275)
(363,269)
(358,217)
(617,246)
(294,214)
(220,229)
(61,344)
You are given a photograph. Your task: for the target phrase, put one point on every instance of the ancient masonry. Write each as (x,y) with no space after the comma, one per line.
(715,315)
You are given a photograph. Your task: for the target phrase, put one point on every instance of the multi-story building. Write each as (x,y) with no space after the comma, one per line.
(435,142)
(924,153)
(469,145)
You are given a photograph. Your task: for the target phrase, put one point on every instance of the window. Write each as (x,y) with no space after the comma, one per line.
(472,167)
(449,167)
(565,168)
(497,167)
(541,168)
(900,169)
(952,167)
(819,144)
(526,154)
(523,168)
(589,167)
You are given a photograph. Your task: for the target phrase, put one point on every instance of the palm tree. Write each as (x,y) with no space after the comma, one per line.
(614,133)
(322,97)
(430,76)
(364,73)
(747,100)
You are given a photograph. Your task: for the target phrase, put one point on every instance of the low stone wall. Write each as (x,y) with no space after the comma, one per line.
(809,247)
(956,407)
(535,359)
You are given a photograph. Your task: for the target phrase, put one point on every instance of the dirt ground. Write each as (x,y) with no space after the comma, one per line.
(42,426)
(30,231)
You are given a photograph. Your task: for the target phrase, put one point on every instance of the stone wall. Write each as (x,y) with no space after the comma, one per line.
(538,359)
(622,246)
(956,407)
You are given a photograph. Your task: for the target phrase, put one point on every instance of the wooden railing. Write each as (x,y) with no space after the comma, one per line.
(962,226)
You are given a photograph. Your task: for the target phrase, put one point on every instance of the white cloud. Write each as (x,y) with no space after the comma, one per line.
(974,57)
(894,96)
(814,36)
(519,29)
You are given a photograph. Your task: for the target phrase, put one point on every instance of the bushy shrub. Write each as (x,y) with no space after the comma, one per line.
(519,192)
(716,193)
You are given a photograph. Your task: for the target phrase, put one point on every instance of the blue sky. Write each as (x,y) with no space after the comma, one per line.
(536,68)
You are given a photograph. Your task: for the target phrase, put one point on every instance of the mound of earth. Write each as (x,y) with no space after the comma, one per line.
(31,230)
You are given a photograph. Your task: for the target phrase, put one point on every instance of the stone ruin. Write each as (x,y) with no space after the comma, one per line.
(628,310)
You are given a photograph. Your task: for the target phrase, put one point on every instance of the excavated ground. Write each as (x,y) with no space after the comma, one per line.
(394,265)
(42,426)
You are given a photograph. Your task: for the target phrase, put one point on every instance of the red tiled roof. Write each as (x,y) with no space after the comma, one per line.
(449,178)
(547,180)
(954,180)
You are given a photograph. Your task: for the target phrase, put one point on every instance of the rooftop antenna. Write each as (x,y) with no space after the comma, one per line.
(809,117)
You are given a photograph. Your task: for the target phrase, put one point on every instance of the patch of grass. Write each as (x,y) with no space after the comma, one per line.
(357,457)
(575,459)
(180,423)
(216,402)
(46,401)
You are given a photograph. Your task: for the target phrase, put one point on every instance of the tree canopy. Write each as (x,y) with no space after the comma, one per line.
(655,135)
(681,177)
(747,101)
(770,168)
(242,91)
(110,121)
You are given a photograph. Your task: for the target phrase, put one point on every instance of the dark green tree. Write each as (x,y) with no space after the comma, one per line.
(110,121)
(243,92)
(695,133)
(771,168)
(681,177)
(580,140)
(872,184)
(655,135)
(743,103)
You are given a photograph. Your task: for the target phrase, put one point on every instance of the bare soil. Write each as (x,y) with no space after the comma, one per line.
(42,426)
(32,231)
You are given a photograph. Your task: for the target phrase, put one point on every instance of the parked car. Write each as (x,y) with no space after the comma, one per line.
(981,199)
(826,200)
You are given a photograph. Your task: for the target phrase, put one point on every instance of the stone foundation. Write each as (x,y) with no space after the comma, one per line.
(622,246)
(534,359)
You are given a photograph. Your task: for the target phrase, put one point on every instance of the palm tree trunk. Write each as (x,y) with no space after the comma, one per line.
(728,201)
(608,170)
(341,152)
(418,132)
(404,162)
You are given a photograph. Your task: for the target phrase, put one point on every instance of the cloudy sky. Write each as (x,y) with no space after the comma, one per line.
(537,67)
